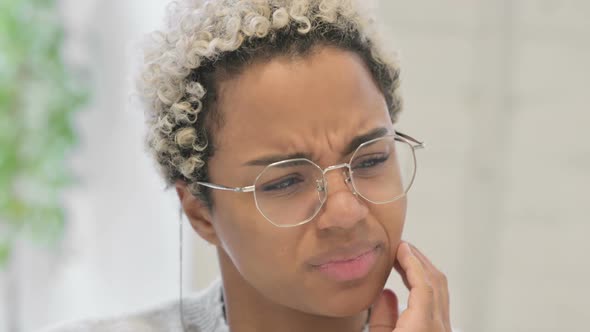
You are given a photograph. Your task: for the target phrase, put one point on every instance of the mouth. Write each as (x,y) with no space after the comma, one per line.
(348,265)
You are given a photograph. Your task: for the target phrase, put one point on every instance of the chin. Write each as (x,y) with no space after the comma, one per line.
(351,300)
(348,305)
(349,310)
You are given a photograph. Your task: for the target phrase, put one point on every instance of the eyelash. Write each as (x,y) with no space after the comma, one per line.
(292,179)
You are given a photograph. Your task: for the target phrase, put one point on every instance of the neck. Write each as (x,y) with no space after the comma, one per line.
(248,311)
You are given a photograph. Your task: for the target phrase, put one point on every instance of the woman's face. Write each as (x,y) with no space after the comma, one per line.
(314,106)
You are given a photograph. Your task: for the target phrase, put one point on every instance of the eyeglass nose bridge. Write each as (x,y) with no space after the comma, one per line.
(322,186)
(331,168)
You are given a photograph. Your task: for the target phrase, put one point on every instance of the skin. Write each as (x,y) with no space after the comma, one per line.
(314,105)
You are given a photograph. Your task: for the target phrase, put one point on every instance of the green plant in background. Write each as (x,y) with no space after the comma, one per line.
(38,96)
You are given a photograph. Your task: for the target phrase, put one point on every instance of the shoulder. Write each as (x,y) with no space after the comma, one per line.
(202,312)
(164,317)
(114,325)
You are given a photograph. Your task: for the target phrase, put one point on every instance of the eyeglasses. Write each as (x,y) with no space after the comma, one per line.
(291,192)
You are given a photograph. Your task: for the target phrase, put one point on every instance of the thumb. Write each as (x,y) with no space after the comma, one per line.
(384,312)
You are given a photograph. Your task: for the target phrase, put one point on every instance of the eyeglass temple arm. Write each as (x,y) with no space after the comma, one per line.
(417,143)
(220,187)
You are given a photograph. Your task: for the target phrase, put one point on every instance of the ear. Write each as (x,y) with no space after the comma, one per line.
(198,213)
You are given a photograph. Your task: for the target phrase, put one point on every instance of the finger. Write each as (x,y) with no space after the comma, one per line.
(384,313)
(421,297)
(402,273)
(431,275)
(440,284)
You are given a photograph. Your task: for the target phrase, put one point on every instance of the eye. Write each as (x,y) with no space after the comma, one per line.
(283,183)
(370,161)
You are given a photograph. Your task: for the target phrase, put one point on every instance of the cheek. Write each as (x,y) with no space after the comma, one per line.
(259,254)
(392,218)
(253,244)
(237,222)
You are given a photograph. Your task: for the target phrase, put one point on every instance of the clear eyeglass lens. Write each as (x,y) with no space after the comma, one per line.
(292,192)
(288,193)
(383,170)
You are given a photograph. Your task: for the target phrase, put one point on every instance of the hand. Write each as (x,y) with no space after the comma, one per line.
(428,302)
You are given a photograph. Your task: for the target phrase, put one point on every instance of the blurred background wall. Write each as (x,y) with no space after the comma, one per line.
(498,89)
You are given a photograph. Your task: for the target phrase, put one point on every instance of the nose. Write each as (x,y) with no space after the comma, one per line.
(343,208)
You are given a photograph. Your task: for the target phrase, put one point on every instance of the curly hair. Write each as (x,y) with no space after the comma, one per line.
(205,42)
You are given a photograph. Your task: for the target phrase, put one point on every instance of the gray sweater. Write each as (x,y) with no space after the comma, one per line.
(203,312)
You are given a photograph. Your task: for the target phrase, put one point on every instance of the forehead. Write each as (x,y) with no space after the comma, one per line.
(288,105)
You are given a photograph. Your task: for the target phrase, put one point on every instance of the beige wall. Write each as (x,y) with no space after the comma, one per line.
(500,91)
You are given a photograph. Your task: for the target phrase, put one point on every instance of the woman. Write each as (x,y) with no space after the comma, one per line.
(274,120)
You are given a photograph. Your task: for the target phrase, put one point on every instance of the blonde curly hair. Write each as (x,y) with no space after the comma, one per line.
(205,42)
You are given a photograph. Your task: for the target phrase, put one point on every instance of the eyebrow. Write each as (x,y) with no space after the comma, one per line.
(267,160)
(360,139)
(354,143)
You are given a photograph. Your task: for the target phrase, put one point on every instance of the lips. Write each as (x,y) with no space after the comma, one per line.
(347,263)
